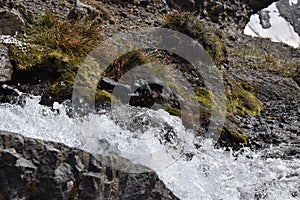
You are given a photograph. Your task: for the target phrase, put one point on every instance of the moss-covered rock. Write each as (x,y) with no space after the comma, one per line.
(241,99)
(231,137)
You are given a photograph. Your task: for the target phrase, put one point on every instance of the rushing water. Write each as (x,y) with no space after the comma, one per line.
(159,141)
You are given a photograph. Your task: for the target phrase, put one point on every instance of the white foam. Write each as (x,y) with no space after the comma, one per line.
(140,135)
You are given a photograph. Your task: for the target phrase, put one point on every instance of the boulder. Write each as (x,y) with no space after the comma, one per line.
(6,68)
(290,12)
(35,169)
(10,22)
(264,18)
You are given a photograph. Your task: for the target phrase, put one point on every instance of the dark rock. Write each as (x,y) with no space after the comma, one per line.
(142,95)
(264,18)
(297,76)
(33,169)
(290,12)
(6,69)
(109,85)
(258,5)
(10,22)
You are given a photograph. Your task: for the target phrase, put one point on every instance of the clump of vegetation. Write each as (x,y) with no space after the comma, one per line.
(212,39)
(58,44)
(266,61)
(125,63)
(247,51)
(32,186)
(54,39)
(231,136)
(240,99)
(272,64)
(74,191)
(204,97)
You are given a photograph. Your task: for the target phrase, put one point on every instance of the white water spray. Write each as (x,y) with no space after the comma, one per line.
(209,174)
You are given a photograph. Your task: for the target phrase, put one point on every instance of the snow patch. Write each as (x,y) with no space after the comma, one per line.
(291,2)
(280,30)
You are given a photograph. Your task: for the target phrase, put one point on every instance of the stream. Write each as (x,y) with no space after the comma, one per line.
(190,167)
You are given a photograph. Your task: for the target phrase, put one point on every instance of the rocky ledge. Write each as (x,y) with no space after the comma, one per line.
(35,169)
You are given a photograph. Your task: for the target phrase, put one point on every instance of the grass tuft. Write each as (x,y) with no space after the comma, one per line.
(59,44)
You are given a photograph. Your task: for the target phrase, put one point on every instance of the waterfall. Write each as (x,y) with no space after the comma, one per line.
(190,166)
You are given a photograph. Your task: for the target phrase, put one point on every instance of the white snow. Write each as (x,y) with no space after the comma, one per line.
(291,2)
(280,30)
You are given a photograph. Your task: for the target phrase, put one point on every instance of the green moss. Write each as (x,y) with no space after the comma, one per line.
(74,192)
(32,186)
(212,39)
(203,96)
(103,96)
(51,38)
(241,99)
(59,44)
(233,137)
(173,111)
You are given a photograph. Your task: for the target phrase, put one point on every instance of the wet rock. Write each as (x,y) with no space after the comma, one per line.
(152,92)
(6,69)
(142,95)
(109,85)
(34,169)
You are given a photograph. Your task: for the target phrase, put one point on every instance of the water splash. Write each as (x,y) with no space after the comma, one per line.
(154,139)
